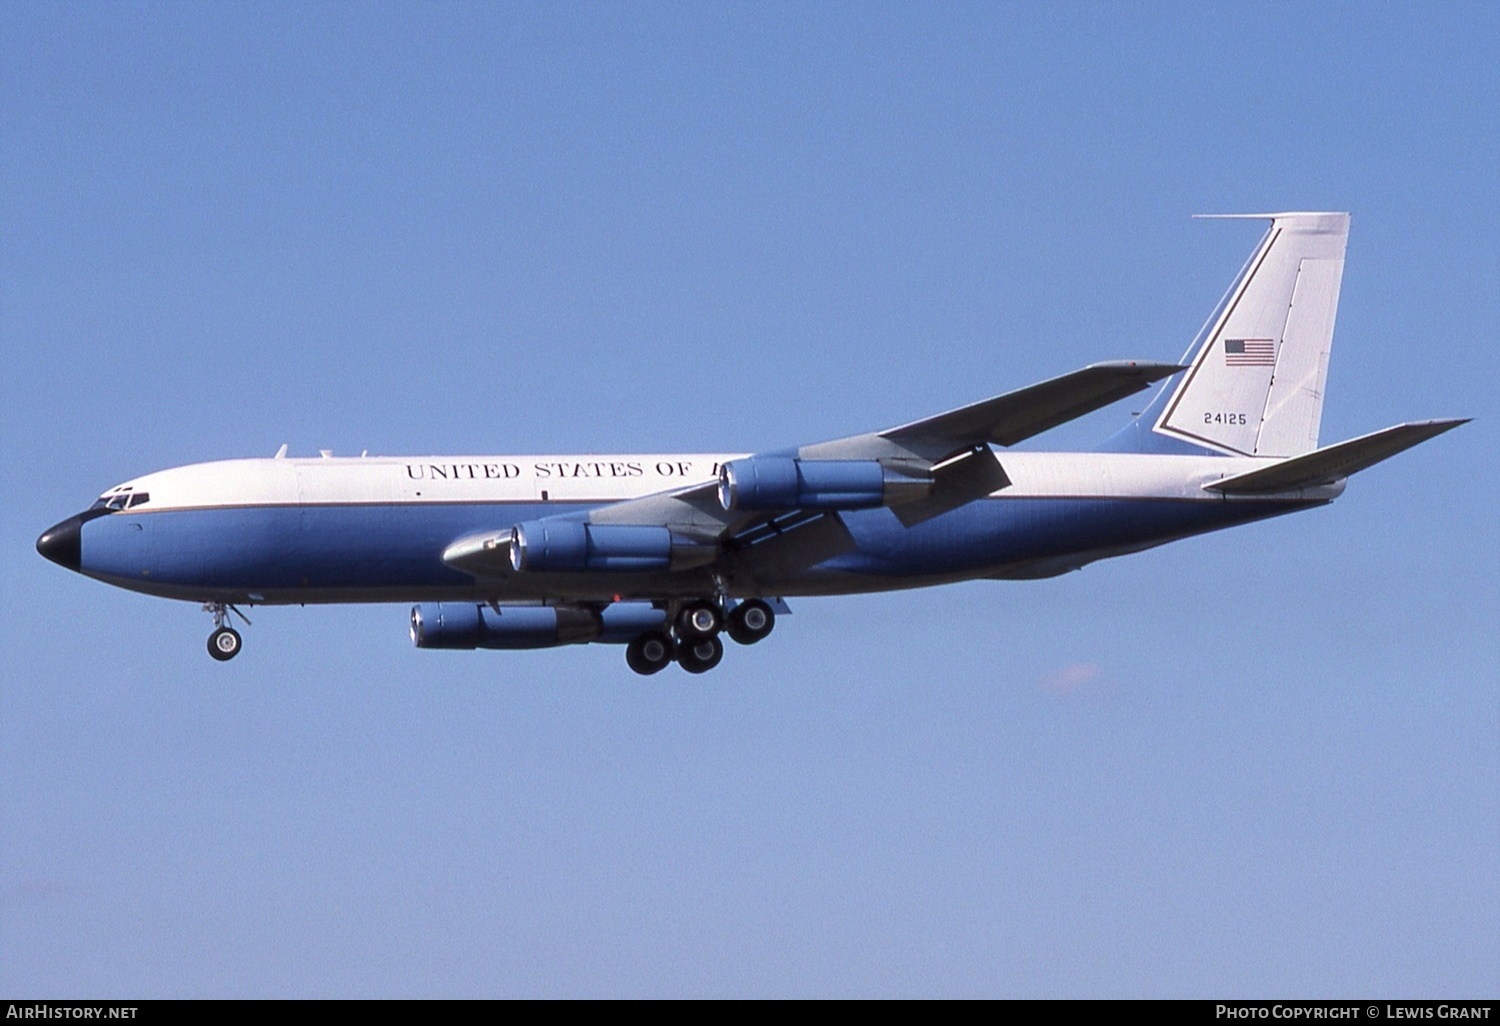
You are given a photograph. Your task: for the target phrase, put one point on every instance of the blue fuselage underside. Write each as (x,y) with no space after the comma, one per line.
(393,552)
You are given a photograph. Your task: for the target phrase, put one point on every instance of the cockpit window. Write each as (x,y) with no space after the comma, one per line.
(124,499)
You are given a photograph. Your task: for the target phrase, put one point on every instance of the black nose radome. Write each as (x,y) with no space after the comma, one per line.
(61,543)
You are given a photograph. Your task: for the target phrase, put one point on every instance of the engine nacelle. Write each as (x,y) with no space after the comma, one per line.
(463,625)
(572,545)
(782,482)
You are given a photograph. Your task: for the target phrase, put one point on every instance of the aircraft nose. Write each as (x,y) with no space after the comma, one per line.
(62,543)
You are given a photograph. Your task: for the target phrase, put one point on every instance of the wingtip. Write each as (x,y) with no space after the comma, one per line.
(1157,371)
(1142,366)
(1438,423)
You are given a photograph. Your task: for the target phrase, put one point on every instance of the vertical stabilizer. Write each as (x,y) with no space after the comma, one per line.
(1255,384)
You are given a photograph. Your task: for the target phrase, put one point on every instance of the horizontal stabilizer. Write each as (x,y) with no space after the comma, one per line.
(1015,416)
(1323,466)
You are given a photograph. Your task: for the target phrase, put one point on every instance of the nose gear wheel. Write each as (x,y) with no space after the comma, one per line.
(225,642)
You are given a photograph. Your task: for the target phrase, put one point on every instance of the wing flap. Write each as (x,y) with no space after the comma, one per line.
(805,542)
(956,482)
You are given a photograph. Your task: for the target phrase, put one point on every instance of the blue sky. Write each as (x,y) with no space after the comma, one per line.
(1265,762)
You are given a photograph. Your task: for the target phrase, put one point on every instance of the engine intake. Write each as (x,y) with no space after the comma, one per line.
(463,625)
(782,482)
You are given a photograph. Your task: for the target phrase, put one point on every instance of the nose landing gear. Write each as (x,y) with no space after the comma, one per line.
(225,642)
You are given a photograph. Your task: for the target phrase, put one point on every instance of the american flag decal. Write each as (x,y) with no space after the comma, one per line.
(1250,352)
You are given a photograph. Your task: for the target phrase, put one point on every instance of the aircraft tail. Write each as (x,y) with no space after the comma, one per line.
(1254,386)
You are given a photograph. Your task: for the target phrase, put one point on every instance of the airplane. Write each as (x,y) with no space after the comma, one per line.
(666,552)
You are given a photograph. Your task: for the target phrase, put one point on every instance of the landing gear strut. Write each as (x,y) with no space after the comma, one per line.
(225,642)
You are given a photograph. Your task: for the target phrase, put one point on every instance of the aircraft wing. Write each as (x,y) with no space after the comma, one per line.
(1005,419)
(1016,416)
(937,464)
(953,449)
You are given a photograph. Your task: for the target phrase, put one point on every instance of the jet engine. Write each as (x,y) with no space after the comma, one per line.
(572,545)
(464,625)
(782,482)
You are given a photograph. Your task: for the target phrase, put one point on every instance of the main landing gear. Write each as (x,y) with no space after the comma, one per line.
(693,639)
(650,653)
(700,656)
(225,642)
